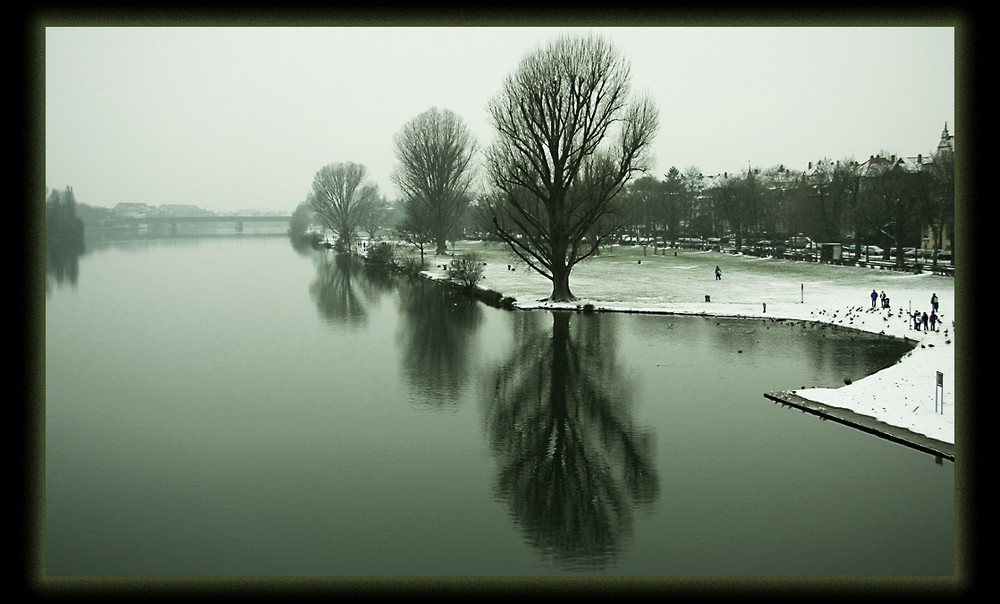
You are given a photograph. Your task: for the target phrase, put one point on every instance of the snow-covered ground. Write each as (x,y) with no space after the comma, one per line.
(678,281)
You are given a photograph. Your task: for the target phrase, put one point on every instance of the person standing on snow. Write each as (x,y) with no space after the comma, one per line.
(874,297)
(718,273)
(934,303)
(923,319)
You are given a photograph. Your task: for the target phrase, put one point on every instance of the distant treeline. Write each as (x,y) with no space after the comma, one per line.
(63,227)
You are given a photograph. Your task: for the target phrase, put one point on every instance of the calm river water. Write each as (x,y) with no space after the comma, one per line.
(229,405)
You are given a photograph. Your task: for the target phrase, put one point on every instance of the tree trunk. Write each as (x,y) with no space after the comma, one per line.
(558,397)
(560,286)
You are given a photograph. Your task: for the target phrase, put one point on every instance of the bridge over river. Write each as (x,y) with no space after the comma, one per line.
(173,221)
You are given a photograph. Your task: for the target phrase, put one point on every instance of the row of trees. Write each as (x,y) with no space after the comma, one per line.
(435,174)
(885,201)
(570,136)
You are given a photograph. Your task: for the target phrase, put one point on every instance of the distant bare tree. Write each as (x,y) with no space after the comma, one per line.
(822,180)
(936,181)
(693,203)
(892,199)
(848,178)
(435,171)
(301,217)
(570,134)
(738,198)
(341,197)
(415,232)
(375,216)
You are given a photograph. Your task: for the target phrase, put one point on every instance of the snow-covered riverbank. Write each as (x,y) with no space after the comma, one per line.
(906,394)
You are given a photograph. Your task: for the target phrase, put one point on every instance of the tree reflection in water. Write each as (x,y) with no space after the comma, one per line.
(340,278)
(436,334)
(573,465)
(62,263)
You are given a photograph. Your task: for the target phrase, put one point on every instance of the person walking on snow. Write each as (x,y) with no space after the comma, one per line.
(874,297)
(718,273)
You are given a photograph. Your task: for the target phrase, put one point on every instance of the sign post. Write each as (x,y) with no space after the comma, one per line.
(939,385)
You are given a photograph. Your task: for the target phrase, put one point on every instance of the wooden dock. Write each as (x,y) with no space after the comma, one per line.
(867,424)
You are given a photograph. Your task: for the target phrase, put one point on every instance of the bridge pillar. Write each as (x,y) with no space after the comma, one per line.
(239,226)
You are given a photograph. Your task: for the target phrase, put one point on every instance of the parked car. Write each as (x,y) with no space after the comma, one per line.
(928,253)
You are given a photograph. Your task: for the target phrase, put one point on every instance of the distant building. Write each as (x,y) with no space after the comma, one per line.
(182,210)
(944,148)
(132,210)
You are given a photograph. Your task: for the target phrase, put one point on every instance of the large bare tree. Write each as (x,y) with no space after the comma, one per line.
(341,196)
(570,134)
(434,174)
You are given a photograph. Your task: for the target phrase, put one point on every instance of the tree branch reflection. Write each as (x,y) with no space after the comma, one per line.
(572,462)
(436,334)
(335,289)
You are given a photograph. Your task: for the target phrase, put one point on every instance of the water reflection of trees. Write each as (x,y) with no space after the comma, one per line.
(573,465)
(344,290)
(62,262)
(437,335)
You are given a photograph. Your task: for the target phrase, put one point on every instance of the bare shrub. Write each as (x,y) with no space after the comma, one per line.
(467,271)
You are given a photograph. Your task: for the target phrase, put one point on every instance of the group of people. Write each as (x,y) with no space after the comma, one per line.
(921,320)
(880,297)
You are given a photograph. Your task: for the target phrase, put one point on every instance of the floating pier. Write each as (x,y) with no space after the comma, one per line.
(866,424)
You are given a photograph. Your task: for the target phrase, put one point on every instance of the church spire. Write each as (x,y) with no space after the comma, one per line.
(945,145)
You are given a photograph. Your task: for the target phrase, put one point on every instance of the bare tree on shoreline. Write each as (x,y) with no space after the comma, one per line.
(570,134)
(434,174)
(341,197)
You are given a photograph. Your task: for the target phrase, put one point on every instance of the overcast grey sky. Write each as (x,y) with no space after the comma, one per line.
(242,118)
